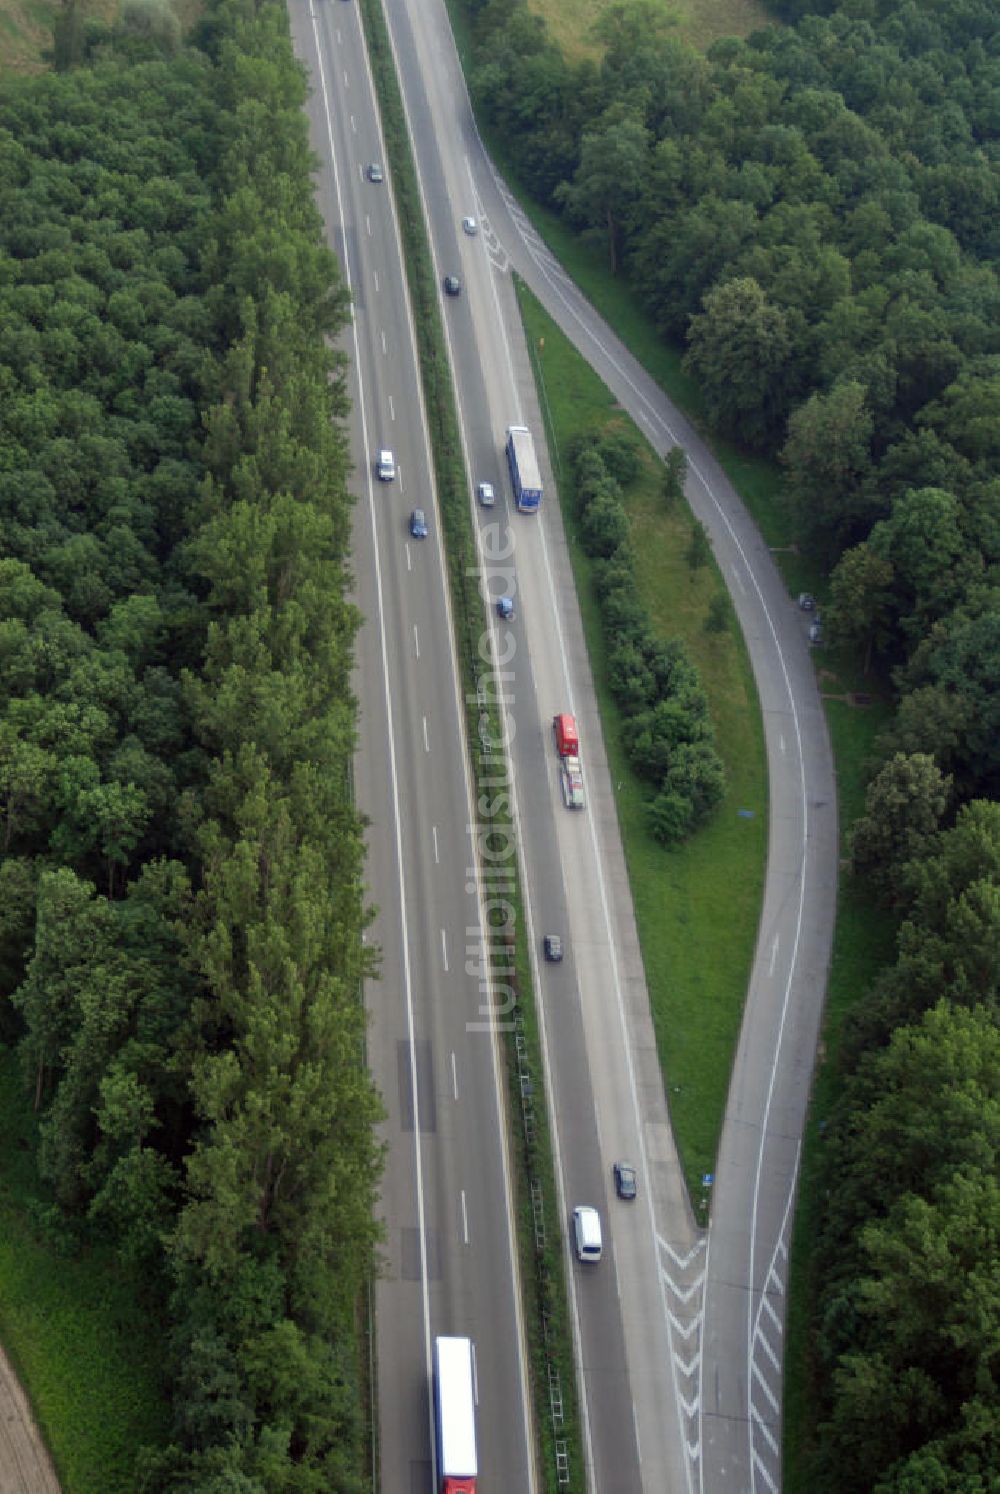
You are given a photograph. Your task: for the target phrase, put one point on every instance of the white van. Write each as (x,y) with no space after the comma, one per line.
(587,1233)
(386,466)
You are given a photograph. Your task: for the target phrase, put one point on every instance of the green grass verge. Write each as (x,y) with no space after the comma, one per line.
(697,907)
(73,1326)
(698,22)
(548,1327)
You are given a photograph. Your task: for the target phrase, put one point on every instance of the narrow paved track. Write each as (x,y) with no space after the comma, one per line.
(25,1466)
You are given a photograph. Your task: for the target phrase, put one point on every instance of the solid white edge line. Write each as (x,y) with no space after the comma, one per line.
(393,773)
(658,421)
(527,1411)
(500,1092)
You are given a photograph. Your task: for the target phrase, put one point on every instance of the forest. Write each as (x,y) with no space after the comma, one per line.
(813,215)
(181,891)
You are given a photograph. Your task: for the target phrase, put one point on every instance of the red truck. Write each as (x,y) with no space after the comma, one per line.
(570,771)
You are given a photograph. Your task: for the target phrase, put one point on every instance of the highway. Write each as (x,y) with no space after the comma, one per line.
(449,1264)
(678,1333)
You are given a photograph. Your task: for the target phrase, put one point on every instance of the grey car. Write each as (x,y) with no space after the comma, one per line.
(625,1181)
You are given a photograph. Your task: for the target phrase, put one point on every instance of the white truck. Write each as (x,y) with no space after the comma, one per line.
(455,1416)
(525,478)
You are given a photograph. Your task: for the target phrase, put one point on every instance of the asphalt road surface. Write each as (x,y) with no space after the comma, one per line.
(449,1264)
(678,1334)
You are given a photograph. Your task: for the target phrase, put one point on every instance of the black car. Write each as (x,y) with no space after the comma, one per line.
(375,173)
(452,285)
(552,945)
(625,1181)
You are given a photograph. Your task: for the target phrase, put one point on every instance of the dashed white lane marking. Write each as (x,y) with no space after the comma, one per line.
(656,422)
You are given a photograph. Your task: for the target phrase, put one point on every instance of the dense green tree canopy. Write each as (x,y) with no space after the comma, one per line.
(815,213)
(181,941)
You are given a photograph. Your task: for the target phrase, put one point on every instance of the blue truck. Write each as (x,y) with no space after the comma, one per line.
(525,477)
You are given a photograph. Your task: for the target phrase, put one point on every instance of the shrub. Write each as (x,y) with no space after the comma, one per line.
(699,550)
(624,615)
(631,677)
(616,572)
(620,453)
(670,816)
(605,526)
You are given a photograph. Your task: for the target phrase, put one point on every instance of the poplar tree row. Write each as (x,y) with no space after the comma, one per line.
(181,894)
